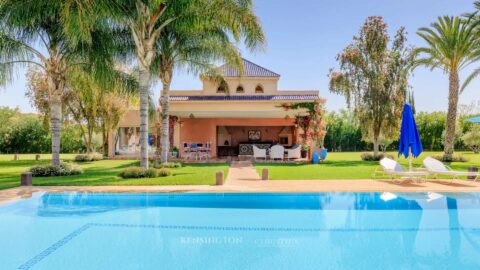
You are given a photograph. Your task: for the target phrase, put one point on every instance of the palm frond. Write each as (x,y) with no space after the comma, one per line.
(469,79)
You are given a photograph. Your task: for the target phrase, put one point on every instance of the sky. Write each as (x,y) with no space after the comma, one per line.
(303,38)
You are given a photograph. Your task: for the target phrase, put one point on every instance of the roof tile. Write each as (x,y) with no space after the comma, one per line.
(249,70)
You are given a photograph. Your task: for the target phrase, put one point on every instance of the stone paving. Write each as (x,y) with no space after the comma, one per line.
(242,170)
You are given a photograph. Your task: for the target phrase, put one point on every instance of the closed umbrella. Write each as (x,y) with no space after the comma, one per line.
(410,144)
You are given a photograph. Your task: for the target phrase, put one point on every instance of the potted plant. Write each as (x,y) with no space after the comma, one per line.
(304,151)
(323,153)
(175,152)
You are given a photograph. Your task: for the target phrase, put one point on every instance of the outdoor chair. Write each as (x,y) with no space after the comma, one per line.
(259,153)
(277,152)
(204,151)
(294,152)
(194,151)
(436,167)
(394,170)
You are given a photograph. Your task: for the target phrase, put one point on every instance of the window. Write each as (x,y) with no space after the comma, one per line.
(259,89)
(240,89)
(221,89)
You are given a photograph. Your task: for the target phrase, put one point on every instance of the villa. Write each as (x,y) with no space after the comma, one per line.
(228,120)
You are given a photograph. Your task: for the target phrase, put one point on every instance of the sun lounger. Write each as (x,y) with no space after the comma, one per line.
(436,167)
(394,170)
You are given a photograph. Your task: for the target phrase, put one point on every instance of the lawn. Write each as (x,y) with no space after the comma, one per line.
(347,165)
(104,173)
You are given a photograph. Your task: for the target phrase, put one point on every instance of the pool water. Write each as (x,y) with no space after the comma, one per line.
(241,231)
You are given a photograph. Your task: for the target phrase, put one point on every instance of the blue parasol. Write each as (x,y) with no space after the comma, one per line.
(410,144)
(474,119)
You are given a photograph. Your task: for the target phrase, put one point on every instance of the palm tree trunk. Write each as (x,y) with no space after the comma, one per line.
(89,140)
(165,138)
(144,85)
(376,143)
(376,147)
(452,113)
(55,123)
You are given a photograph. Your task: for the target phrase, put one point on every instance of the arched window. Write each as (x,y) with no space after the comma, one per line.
(221,89)
(240,89)
(259,89)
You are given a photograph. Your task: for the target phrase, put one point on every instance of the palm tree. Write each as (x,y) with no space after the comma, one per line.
(144,20)
(34,33)
(452,44)
(197,47)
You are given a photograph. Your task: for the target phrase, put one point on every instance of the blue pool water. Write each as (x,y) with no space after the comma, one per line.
(242,231)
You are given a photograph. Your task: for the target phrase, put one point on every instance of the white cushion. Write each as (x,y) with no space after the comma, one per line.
(391,165)
(434,165)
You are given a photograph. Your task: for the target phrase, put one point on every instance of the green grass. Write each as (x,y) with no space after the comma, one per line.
(348,165)
(104,172)
(337,166)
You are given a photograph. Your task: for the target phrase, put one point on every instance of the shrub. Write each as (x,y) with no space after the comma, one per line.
(55,170)
(372,157)
(450,158)
(26,134)
(170,165)
(164,172)
(138,172)
(472,139)
(88,157)
(151,173)
(71,140)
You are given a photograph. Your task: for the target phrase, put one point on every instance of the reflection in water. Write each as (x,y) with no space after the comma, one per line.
(258,231)
(91,203)
(453,222)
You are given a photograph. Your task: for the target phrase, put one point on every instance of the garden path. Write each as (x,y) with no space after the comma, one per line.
(242,170)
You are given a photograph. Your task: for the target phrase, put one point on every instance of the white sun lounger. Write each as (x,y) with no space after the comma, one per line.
(394,170)
(436,167)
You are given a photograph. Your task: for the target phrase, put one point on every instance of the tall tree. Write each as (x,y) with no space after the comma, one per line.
(33,33)
(373,78)
(452,44)
(95,107)
(196,47)
(144,21)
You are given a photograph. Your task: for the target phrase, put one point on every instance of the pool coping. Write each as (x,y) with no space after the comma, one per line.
(258,186)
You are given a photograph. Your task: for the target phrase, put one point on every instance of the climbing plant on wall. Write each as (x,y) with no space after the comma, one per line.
(312,124)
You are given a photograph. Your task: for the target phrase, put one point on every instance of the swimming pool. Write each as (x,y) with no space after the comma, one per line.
(241,231)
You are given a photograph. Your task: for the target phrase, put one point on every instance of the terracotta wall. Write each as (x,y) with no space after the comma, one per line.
(203,130)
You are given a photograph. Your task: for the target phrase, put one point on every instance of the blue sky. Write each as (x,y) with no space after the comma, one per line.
(304,36)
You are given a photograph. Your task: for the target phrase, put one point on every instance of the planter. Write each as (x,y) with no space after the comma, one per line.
(323,154)
(303,153)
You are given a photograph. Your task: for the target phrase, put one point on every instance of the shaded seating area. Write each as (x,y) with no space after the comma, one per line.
(277,153)
(197,151)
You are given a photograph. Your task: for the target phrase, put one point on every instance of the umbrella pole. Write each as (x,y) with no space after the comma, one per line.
(410,159)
